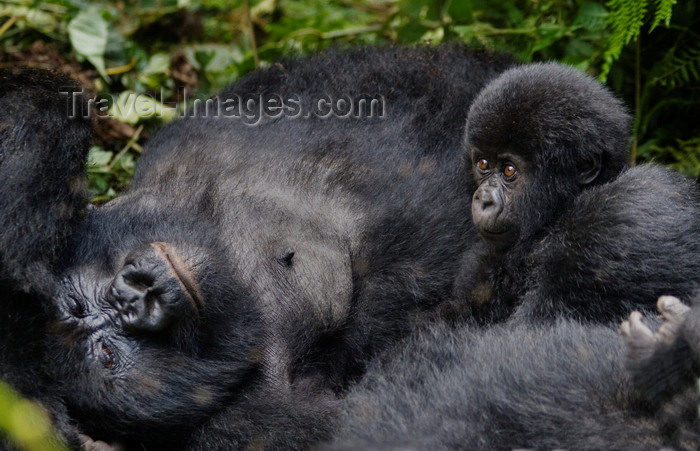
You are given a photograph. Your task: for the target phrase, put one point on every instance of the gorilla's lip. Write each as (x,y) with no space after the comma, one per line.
(181,271)
(489,233)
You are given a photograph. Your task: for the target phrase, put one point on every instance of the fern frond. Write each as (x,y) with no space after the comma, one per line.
(664,8)
(679,69)
(625,19)
(684,156)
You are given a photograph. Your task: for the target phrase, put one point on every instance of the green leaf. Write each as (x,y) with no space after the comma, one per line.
(461,11)
(412,31)
(133,106)
(155,72)
(577,51)
(412,8)
(88,33)
(25,423)
(98,157)
(592,17)
(549,34)
(433,36)
(33,17)
(214,61)
(515,14)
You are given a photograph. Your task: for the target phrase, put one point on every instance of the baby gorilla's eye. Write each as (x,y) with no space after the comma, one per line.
(483,164)
(509,170)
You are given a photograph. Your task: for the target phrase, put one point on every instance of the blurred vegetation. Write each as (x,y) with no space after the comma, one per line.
(648,51)
(26,424)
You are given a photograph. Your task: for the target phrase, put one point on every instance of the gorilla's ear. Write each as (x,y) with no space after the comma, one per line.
(588,169)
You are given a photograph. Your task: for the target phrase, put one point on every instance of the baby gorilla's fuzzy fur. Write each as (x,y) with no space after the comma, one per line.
(568,230)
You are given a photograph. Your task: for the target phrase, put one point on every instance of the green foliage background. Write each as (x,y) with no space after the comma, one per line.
(648,51)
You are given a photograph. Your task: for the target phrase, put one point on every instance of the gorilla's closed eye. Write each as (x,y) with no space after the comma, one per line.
(106,357)
(77,307)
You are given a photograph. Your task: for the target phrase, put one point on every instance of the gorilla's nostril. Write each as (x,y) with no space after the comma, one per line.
(124,293)
(155,289)
(139,281)
(486,200)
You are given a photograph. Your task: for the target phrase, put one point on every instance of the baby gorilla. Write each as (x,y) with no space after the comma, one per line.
(568,230)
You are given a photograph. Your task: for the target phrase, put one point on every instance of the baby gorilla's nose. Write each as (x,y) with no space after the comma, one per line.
(154,290)
(488,199)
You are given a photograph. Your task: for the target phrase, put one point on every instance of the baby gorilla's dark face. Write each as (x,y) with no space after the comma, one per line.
(140,343)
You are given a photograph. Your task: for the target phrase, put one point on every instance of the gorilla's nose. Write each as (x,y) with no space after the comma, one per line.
(487,201)
(154,290)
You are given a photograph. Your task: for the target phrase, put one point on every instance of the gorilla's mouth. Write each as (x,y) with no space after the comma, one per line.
(181,271)
(492,233)
(499,237)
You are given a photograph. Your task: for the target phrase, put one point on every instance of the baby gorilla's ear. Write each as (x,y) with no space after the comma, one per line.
(156,292)
(43,191)
(588,170)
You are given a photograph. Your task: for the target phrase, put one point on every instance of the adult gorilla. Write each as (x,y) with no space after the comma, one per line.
(251,271)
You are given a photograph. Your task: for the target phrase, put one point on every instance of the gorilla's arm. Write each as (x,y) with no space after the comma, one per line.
(618,247)
(665,364)
(542,387)
(42,158)
(42,154)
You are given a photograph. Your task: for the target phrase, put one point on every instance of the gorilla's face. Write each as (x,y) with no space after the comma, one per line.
(516,197)
(499,177)
(536,137)
(155,292)
(152,335)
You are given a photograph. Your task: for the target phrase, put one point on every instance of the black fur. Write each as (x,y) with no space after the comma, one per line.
(619,247)
(665,365)
(568,231)
(556,386)
(251,267)
(42,155)
(42,195)
(251,272)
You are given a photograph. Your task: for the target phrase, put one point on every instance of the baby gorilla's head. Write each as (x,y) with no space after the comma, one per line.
(536,136)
